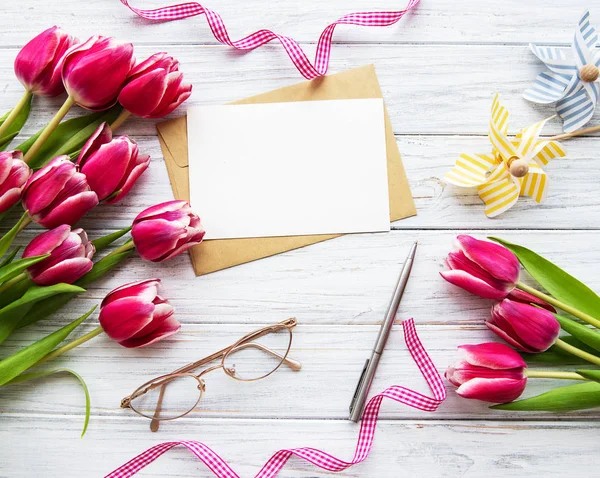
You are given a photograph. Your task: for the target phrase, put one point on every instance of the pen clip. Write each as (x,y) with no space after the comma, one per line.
(358,385)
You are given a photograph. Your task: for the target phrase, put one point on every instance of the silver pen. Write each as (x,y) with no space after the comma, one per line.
(368,373)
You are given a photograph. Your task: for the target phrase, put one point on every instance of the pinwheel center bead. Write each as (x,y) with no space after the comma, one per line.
(589,73)
(518,167)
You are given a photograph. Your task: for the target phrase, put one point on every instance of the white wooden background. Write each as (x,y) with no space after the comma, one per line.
(438,68)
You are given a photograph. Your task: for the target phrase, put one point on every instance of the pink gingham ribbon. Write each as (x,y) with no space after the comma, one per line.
(317,457)
(256,39)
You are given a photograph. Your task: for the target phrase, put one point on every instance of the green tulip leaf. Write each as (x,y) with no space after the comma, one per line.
(69,136)
(13,269)
(565,399)
(556,281)
(48,306)
(590,374)
(16,125)
(9,258)
(25,358)
(13,313)
(10,236)
(25,377)
(585,334)
(6,140)
(105,241)
(557,356)
(15,291)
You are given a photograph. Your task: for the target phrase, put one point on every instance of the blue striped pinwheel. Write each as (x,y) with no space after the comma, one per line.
(570,82)
(512,169)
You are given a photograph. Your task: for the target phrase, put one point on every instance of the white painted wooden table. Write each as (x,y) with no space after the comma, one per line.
(438,68)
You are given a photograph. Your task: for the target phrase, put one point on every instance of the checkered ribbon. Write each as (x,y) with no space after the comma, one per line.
(259,38)
(317,457)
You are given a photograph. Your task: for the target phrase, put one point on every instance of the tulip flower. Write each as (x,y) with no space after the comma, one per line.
(491,372)
(58,194)
(166,230)
(155,87)
(93,74)
(14,174)
(95,71)
(111,166)
(482,268)
(135,315)
(38,66)
(525,327)
(70,256)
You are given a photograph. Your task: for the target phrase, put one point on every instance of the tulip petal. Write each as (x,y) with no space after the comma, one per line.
(494,258)
(143,95)
(153,239)
(143,161)
(145,290)
(504,335)
(161,208)
(102,135)
(47,241)
(9,199)
(526,298)
(106,167)
(69,211)
(491,355)
(473,285)
(498,390)
(67,271)
(169,327)
(123,318)
(46,183)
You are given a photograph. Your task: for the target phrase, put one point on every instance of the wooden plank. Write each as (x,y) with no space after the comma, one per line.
(443,21)
(344,281)
(440,89)
(572,201)
(411,448)
(331,356)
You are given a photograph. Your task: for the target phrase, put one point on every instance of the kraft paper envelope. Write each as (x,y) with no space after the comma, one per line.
(214,255)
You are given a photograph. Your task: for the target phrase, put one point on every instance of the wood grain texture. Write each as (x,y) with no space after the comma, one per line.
(439,68)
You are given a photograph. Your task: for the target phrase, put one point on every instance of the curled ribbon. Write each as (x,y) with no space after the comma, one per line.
(259,38)
(317,457)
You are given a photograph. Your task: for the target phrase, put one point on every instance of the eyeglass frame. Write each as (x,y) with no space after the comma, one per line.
(161,381)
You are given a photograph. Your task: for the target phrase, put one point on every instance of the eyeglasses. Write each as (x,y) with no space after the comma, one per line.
(254,357)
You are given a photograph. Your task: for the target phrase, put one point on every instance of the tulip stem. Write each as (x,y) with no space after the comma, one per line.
(14,113)
(561,305)
(552,374)
(50,127)
(71,345)
(120,120)
(9,283)
(577,352)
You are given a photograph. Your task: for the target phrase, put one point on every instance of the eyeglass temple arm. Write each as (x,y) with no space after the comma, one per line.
(293,364)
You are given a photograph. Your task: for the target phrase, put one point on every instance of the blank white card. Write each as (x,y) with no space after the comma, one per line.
(287,169)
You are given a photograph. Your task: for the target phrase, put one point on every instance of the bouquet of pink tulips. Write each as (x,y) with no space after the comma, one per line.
(65,171)
(526,319)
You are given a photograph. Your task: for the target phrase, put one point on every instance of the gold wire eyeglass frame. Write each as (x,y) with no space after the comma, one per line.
(245,342)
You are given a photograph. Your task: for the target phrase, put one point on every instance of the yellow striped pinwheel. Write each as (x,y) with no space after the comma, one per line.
(512,169)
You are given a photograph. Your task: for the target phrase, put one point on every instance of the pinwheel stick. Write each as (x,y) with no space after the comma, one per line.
(579,132)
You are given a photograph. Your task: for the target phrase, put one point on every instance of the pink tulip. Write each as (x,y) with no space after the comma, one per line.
(14,174)
(524,326)
(94,72)
(70,256)
(155,87)
(483,268)
(519,295)
(58,194)
(112,166)
(135,315)
(491,372)
(38,65)
(166,230)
